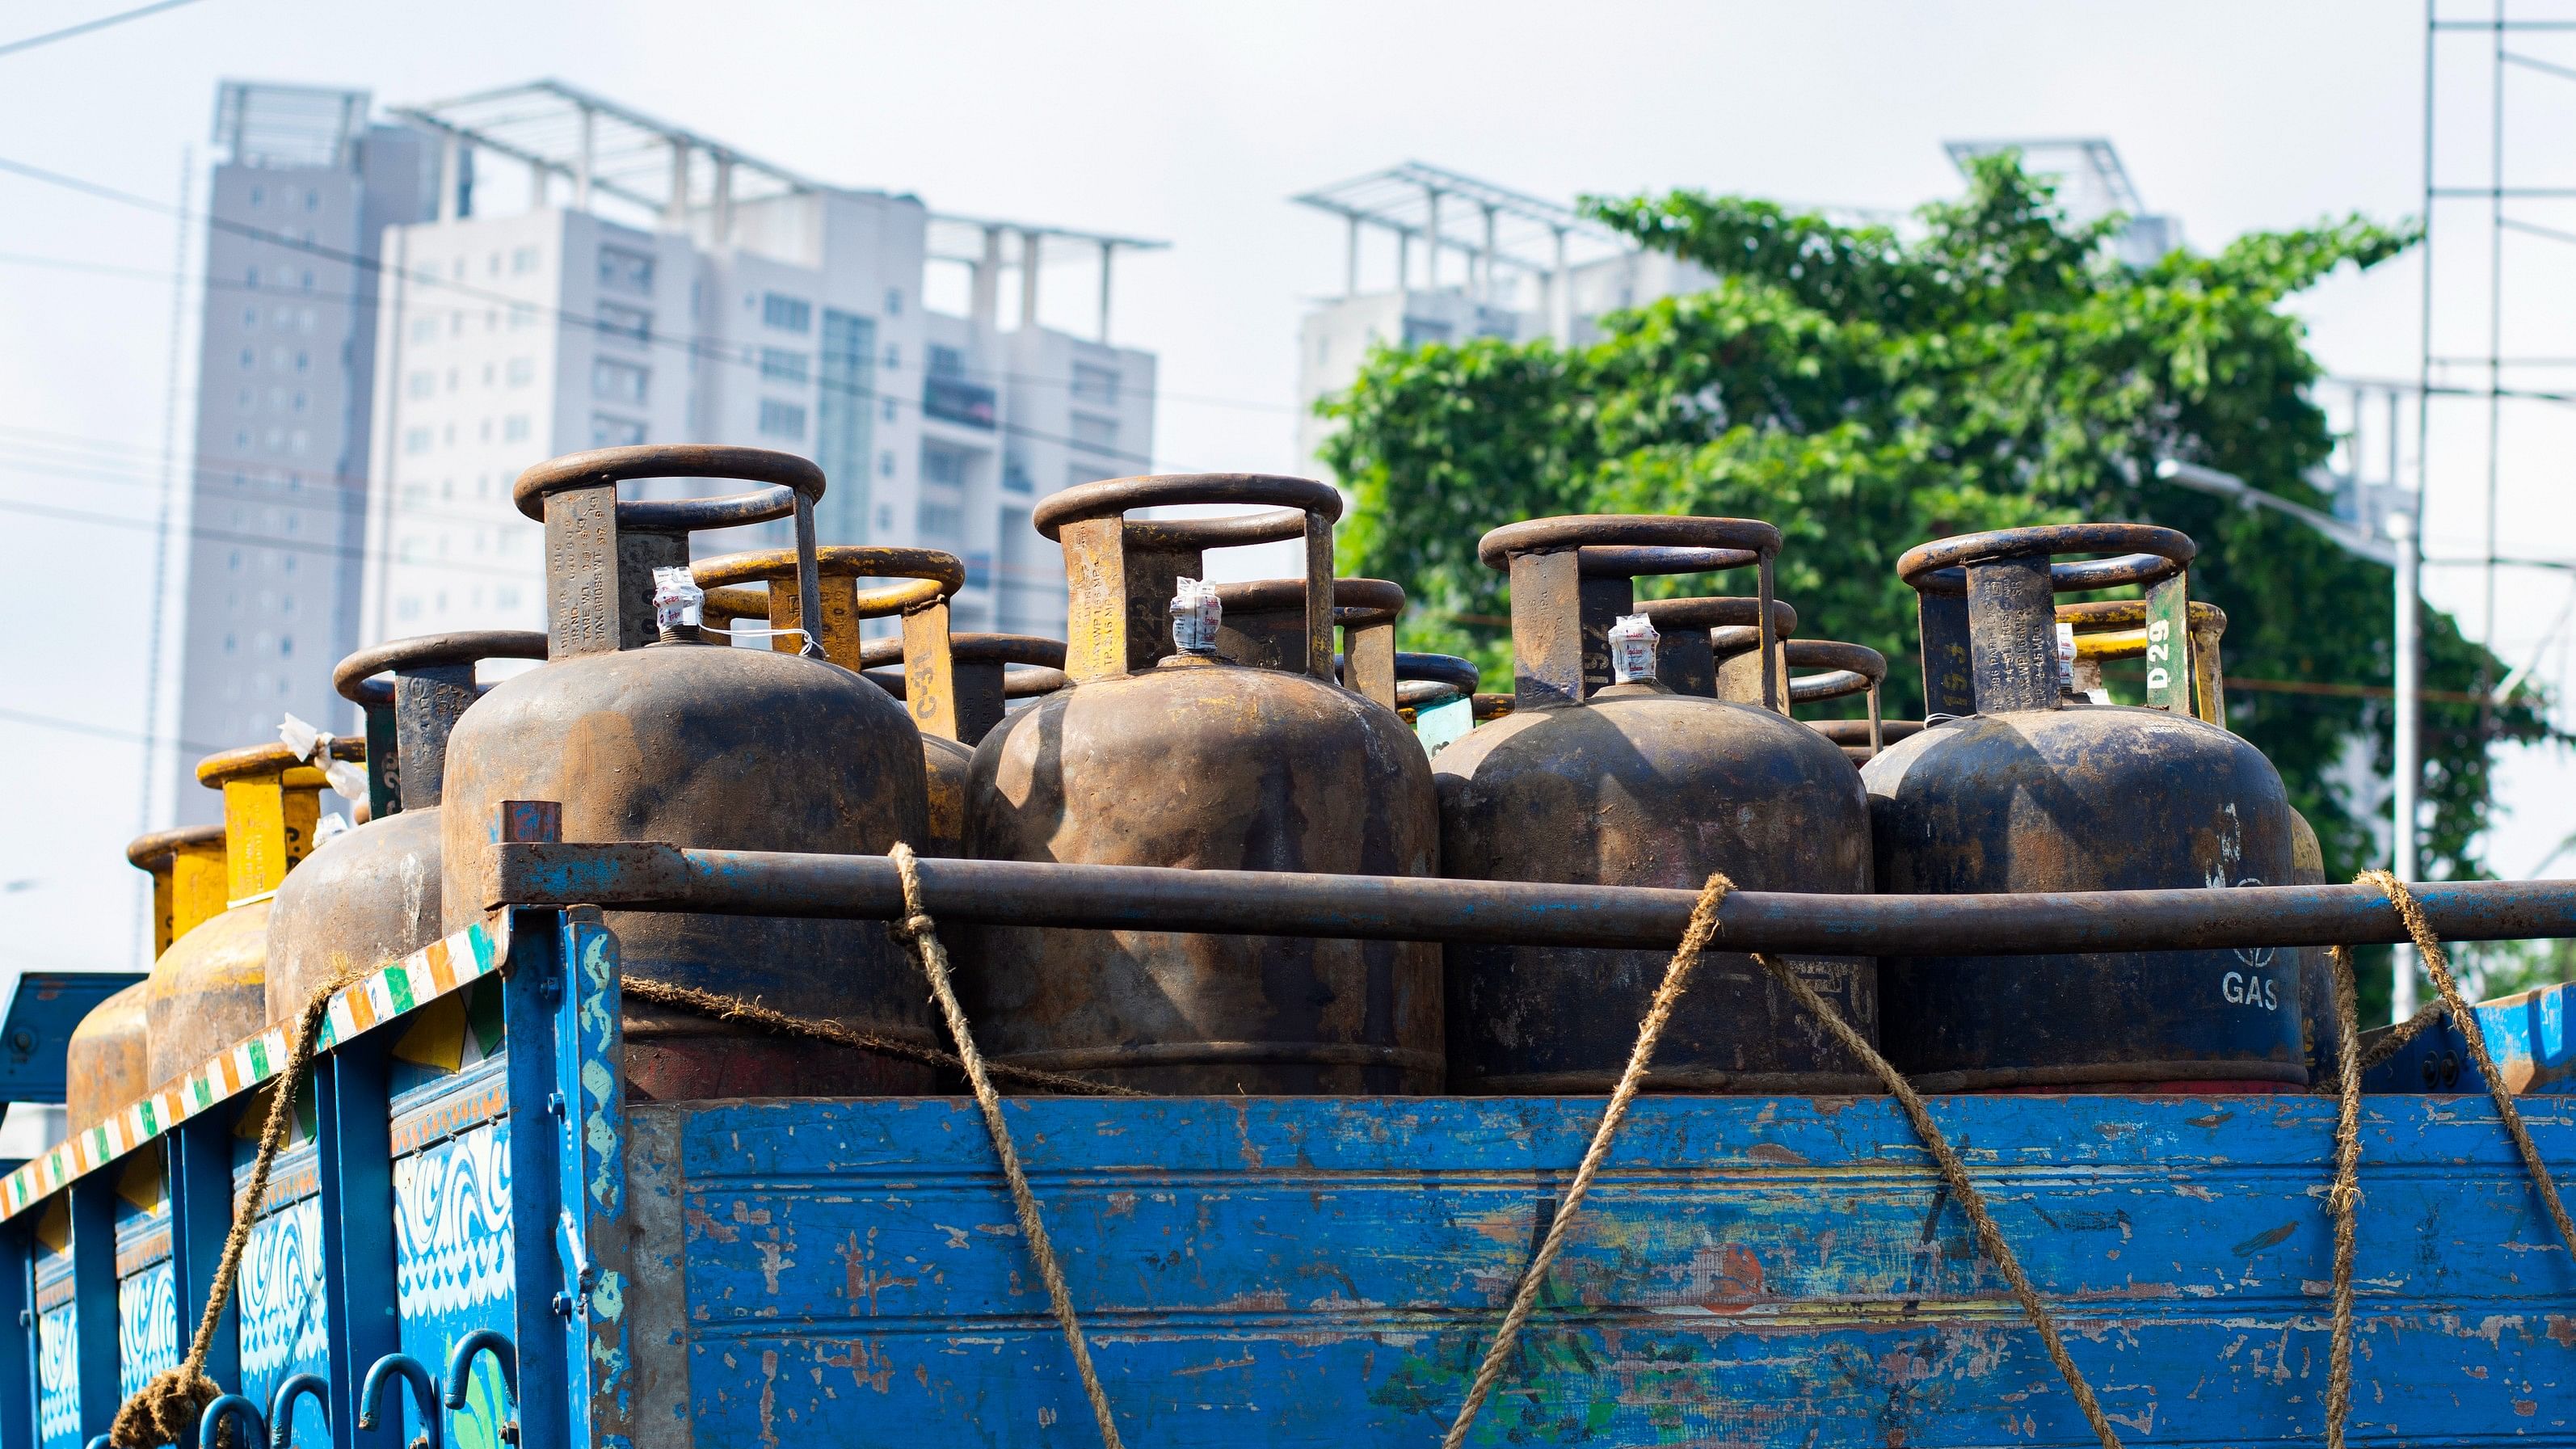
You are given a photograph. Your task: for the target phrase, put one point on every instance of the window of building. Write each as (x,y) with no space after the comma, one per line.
(943,466)
(523,370)
(893,357)
(778,364)
(621,270)
(303,361)
(417,440)
(782,419)
(610,431)
(945,362)
(787,314)
(259,196)
(616,381)
(624,325)
(285,646)
(1098,385)
(424,329)
(940,520)
(514,428)
(312,201)
(522,314)
(1100,435)
(251,279)
(1419,330)
(523,260)
(894,302)
(250,359)
(1015,477)
(422,384)
(888,410)
(885,467)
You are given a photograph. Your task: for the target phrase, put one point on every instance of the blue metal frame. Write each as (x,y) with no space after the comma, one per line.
(201,1215)
(36,1030)
(93,1218)
(354,1120)
(17,1336)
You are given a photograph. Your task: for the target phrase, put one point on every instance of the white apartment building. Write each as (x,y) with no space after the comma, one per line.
(657,286)
(1468,259)
(285,372)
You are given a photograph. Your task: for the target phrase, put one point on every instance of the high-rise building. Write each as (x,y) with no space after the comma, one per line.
(658,286)
(1469,259)
(306,186)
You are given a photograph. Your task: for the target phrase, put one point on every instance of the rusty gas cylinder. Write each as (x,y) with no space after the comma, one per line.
(1263,623)
(2116,629)
(1167,756)
(371,895)
(990,670)
(643,733)
(930,578)
(108,1061)
(1427,681)
(1845,670)
(1853,735)
(1711,647)
(210,989)
(1634,783)
(2040,790)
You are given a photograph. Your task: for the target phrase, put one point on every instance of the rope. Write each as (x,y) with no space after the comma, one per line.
(1955,1172)
(166,1410)
(922,933)
(1703,925)
(2343,1198)
(752,1013)
(2465,1018)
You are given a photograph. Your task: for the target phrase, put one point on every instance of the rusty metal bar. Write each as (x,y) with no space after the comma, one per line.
(652,877)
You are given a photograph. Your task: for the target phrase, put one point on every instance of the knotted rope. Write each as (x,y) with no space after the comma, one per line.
(1677,974)
(922,933)
(2343,1199)
(721,1007)
(166,1410)
(1990,1237)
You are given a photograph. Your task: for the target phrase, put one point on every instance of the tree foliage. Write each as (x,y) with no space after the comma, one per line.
(1866,391)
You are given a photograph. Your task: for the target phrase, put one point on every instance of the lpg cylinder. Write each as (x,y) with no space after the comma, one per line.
(697,745)
(1172,756)
(108,1061)
(921,601)
(1688,636)
(990,671)
(1634,783)
(2038,790)
(2107,630)
(1849,669)
(372,895)
(210,989)
(1263,622)
(1427,681)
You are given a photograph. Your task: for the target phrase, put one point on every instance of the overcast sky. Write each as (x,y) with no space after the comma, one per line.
(1192,123)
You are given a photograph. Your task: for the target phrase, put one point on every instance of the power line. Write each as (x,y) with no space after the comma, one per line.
(86,26)
(105,732)
(747,358)
(218,284)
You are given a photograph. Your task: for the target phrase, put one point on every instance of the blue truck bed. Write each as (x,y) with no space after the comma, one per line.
(1264,1270)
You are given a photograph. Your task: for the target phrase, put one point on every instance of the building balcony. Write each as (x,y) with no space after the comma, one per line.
(953,399)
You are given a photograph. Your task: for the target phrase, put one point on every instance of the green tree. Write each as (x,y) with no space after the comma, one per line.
(1867,391)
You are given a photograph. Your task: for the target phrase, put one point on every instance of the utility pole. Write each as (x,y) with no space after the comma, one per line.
(2408,766)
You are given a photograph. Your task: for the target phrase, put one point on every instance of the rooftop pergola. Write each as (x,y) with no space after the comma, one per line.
(1492,226)
(608,152)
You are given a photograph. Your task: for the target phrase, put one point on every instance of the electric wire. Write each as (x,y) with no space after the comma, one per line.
(85,27)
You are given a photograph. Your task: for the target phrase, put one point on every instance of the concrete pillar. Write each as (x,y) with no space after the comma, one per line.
(450,153)
(675,213)
(1351,258)
(987,291)
(1108,254)
(1030,249)
(1560,296)
(724,199)
(1431,264)
(581,167)
(1403,261)
(1485,291)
